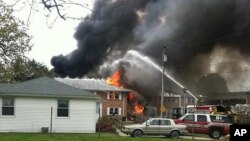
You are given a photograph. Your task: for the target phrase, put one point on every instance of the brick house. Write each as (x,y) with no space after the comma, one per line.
(114,99)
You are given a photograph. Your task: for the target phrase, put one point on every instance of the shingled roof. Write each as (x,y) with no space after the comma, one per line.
(91,84)
(44,87)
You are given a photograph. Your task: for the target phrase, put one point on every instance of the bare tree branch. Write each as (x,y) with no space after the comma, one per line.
(58,11)
(49,6)
(31,7)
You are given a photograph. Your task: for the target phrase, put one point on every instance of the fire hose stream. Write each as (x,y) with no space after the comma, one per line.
(149,61)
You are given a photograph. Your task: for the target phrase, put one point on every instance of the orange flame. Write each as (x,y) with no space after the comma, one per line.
(115,80)
(138,109)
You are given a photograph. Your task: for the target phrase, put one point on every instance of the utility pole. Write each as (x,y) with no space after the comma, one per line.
(164,60)
(184,99)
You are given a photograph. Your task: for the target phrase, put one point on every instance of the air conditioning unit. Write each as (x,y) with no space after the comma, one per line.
(44,129)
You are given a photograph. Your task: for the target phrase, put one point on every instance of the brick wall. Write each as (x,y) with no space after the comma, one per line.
(115,103)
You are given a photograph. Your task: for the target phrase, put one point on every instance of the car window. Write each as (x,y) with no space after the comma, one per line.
(165,122)
(189,118)
(154,122)
(217,118)
(202,118)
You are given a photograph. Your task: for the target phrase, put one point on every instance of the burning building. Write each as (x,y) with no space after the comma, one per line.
(202,37)
(113,99)
(134,105)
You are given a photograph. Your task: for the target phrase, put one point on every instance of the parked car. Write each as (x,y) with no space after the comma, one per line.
(155,126)
(213,125)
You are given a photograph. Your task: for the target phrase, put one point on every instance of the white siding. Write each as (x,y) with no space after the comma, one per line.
(33,113)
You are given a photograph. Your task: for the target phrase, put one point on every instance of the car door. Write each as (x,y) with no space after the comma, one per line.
(165,127)
(152,127)
(200,125)
(188,120)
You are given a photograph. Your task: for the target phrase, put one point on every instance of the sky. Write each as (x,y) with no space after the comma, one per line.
(50,38)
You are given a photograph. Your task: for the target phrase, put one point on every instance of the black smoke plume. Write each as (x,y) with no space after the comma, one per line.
(110,24)
(191,30)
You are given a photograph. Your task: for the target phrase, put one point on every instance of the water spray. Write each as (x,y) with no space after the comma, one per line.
(149,61)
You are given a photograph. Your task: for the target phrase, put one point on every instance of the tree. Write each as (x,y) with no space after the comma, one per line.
(14,40)
(23,69)
(52,9)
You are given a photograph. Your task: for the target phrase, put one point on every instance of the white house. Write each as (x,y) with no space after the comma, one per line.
(47,104)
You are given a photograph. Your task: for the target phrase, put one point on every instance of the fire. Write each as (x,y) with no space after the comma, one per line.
(115,80)
(131,96)
(138,109)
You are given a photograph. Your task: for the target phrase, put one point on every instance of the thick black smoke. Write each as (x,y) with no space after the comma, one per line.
(110,24)
(189,29)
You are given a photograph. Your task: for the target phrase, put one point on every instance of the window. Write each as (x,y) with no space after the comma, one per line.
(63,108)
(189,118)
(165,122)
(113,111)
(202,118)
(155,122)
(114,95)
(117,96)
(97,107)
(224,119)
(8,106)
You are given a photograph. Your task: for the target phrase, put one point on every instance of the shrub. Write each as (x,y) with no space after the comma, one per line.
(104,127)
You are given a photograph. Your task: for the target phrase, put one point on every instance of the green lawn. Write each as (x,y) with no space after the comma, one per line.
(76,137)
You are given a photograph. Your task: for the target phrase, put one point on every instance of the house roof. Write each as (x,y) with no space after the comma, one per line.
(91,84)
(44,87)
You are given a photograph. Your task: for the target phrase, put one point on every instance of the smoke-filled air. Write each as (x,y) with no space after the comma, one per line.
(203,38)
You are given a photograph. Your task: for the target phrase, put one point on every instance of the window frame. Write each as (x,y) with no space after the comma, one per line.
(114,96)
(12,106)
(113,109)
(189,119)
(155,122)
(165,122)
(61,109)
(198,118)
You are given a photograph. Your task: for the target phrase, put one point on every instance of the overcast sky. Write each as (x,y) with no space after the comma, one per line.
(48,42)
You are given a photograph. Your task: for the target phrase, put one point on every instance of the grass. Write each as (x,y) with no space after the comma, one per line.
(77,137)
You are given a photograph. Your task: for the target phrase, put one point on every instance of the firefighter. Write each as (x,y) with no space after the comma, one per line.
(214,111)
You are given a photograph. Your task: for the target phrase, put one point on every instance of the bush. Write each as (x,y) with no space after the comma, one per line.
(104,127)
(105,124)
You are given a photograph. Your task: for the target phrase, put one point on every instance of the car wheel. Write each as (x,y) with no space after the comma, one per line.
(137,133)
(215,133)
(175,134)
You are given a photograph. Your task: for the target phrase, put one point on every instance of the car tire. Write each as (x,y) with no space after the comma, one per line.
(137,133)
(215,133)
(175,134)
